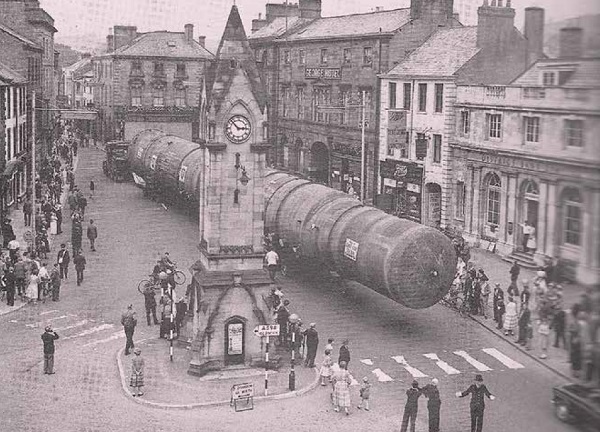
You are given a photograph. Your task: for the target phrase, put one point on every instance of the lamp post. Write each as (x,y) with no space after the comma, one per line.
(292,379)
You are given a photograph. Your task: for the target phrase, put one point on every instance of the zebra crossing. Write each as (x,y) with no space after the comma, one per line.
(416,366)
(73,327)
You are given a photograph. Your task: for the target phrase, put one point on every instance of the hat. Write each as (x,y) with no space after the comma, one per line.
(129,306)
(313,325)
(366,379)
(137,351)
(478,378)
(434,381)
(48,328)
(497,284)
(415,383)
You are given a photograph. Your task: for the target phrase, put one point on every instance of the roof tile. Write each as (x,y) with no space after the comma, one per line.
(278,26)
(164,44)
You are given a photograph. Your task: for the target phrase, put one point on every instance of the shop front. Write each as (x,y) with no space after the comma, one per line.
(401,189)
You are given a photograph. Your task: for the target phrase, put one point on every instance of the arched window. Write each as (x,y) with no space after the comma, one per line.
(572,204)
(493,199)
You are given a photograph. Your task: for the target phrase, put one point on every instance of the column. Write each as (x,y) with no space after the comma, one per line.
(595,234)
(477,198)
(541,229)
(511,203)
(469,191)
(504,212)
(551,220)
(589,219)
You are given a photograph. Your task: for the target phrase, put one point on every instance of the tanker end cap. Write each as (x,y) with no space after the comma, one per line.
(421,268)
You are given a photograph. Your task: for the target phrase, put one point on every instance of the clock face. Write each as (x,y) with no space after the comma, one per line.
(238,129)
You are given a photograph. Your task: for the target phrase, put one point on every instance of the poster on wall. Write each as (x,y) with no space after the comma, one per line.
(235,333)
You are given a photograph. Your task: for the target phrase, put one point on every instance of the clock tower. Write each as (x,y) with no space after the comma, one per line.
(231,286)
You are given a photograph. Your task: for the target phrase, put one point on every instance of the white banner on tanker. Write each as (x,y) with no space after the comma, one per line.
(235,336)
(242,391)
(182,173)
(351,249)
(267,330)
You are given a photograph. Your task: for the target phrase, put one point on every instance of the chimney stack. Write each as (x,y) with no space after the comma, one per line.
(189,32)
(202,41)
(123,35)
(571,42)
(110,43)
(495,25)
(310,8)
(534,33)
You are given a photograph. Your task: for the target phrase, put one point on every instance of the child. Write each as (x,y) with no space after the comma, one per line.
(365,392)
(544,331)
(325,371)
(329,345)
(137,373)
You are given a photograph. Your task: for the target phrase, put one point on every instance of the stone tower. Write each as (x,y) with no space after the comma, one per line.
(230,290)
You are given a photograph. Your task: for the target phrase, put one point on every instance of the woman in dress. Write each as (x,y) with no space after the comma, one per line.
(341,389)
(511,318)
(32,289)
(137,373)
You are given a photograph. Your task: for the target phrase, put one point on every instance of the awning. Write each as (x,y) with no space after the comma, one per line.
(11,167)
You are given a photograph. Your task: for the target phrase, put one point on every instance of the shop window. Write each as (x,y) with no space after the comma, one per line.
(574,133)
(493,199)
(439,98)
(407,96)
(437,148)
(465,122)
(459,209)
(531,127)
(572,210)
(392,95)
(422,97)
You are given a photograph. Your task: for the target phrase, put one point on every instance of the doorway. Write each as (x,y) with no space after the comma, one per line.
(319,163)
(235,341)
(530,204)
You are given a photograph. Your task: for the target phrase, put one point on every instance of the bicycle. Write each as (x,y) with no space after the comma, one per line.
(455,301)
(144,283)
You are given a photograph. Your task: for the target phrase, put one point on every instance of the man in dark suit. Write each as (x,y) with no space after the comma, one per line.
(477,391)
(80,262)
(63,259)
(312,343)
(411,408)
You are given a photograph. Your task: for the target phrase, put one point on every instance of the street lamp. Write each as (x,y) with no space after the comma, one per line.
(292,379)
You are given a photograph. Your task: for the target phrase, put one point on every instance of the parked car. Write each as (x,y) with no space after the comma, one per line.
(576,403)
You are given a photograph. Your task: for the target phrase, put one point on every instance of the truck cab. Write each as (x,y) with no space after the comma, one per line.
(116,165)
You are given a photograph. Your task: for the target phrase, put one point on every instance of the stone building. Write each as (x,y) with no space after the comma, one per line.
(417,119)
(318,70)
(529,152)
(77,83)
(150,80)
(14,137)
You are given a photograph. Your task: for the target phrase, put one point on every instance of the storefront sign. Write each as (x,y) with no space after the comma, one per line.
(405,171)
(323,73)
(235,336)
(397,132)
(407,178)
(351,249)
(513,162)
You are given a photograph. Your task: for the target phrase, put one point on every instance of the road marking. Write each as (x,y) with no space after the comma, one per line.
(58,318)
(49,312)
(416,373)
(442,364)
(34,325)
(114,336)
(368,362)
(505,360)
(77,324)
(476,364)
(382,376)
(93,330)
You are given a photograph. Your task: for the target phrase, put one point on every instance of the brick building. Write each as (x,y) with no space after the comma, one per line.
(417,105)
(150,80)
(529,151)
(14,140)
(311,63)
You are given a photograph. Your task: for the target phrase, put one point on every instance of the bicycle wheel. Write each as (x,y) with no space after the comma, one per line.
(179,277)
(143,284)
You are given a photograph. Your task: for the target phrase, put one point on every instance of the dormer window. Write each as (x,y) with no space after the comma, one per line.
(549,78)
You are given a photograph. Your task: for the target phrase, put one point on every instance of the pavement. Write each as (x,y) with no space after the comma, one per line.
(389,344)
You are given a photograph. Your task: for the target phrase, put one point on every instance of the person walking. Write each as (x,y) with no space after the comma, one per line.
(150,304)
(486,291)
(312,343)
(48,338)
(477,391)
(365,394)
(515,271)
(272,260)
(20,273)
(432,393)
(544,331)
(10,283)
(525,294)
(325,372)
(524,322)
(8,233)
(59,218)
(559,325)
(80,263)
(55,280)
(511,318)
(341,389)
(136,381)
(411,408)
(32,288)
(166,304)
(27,211)
(92,234)
(129,321)
(283,316)
(344,353)
(63,259)
(92,188)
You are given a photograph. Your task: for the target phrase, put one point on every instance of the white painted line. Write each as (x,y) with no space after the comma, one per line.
(77,324)
(13,321)
(505,360)
(49,312)
(416,373)
(57,318)
(442,364)
(93,330)
(476,364)
(382,376)
(114,336)
(368,362)
(34,325)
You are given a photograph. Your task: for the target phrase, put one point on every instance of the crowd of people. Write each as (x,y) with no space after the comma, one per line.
(534,311)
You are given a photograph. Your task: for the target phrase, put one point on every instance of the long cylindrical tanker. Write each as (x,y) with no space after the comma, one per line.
(408,262)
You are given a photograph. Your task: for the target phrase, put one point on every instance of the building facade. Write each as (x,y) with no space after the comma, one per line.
(150,80)
(529,153)
(319,70)
(77,83)
(14,138)
(417,111)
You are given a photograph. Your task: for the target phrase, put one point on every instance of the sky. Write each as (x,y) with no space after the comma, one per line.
(85,23)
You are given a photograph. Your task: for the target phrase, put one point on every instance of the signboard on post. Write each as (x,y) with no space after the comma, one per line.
(351,249)
(267,330)
(242,397)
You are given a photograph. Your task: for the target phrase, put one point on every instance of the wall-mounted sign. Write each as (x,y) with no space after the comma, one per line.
(397,129)
(351,249)
(323,73)
(235,337)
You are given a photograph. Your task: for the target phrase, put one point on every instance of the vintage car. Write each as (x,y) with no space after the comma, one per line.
(577,403)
